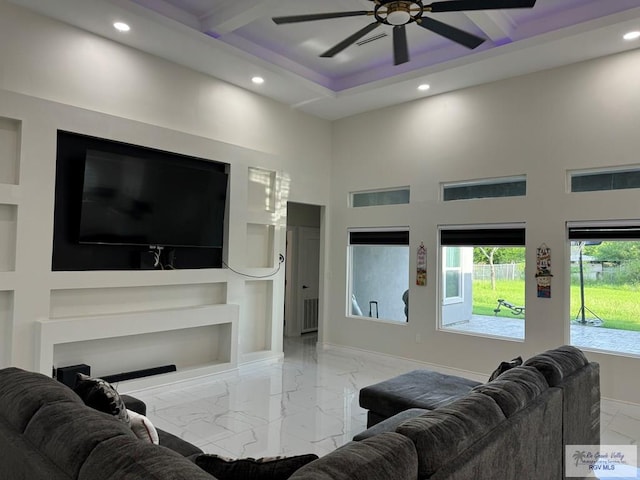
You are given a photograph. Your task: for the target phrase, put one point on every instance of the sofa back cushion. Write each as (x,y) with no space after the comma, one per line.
(442,434)
(20,461)
(126,458)
(569,369)
(67,432)
(23,393)
(558,363)
(514,389)
(382,457)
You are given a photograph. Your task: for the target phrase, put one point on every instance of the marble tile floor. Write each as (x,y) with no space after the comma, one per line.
(307,403)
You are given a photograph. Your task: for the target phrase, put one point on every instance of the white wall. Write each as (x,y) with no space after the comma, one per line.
(52,77)
(540,125)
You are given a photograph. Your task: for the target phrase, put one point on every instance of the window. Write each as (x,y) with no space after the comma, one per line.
(391,196)
(489,188)
(605,280)
(593,181)
(482,281)
(452,286)
(379,274)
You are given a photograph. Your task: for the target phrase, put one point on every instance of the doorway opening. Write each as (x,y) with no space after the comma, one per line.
(302,302)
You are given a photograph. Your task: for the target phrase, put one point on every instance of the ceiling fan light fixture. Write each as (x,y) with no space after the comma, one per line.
(398,13)
(398,17)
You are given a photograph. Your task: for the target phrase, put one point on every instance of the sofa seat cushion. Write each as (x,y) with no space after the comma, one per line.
(441,435)
(383,457)
(514,389)
(67,432)
(558,363)
(416,389)
(125,458)
(23,393)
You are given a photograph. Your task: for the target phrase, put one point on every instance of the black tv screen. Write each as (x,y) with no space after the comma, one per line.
(173,202)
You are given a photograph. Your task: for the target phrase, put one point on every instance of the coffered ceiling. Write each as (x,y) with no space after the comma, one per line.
(235,40)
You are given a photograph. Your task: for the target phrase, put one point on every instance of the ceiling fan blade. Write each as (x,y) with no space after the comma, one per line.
(462,5)
(452,33)
(350,40)
(400,47)
(319,16)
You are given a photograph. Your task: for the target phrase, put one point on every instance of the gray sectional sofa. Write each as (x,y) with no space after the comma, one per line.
(511,428)
(514,427)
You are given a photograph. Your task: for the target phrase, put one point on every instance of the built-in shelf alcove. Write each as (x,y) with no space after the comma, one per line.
(261,190)
(255,321)
(10,133)
(6,316)
(198,340)
(8,226)
(260,240)
(73,302)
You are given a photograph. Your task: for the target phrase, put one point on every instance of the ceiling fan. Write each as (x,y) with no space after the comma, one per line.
(401,13)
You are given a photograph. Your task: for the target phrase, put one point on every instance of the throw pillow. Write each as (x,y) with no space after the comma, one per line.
(99,394)
(274,468)
(143,428)
(504,366)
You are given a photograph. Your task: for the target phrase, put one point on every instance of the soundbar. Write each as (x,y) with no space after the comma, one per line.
(147,372)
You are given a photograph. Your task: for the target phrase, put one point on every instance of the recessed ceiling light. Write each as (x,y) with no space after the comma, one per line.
(258,80)
(424,87)
(121,27)
(632,35)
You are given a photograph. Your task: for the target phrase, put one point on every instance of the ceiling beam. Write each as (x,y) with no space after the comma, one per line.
(233,15)
(497,26)
(164,8)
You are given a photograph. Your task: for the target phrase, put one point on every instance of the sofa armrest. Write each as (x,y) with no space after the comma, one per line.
(177,444)
(132,403)
(167,439)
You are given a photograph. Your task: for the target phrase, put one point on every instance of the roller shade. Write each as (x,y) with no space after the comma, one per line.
(483,237)
(605,233)
(384,237)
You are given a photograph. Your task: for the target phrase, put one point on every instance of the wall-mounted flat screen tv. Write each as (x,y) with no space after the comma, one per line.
(172,202)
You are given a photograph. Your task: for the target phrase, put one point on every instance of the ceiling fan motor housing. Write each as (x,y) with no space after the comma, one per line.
(398,12)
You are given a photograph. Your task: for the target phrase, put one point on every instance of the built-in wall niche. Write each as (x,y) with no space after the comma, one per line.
(100,301)
(197,340)
(255,319)
(6,316)
(8,223)
(9,150)
(261,190)
(185,348)
(260,240)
